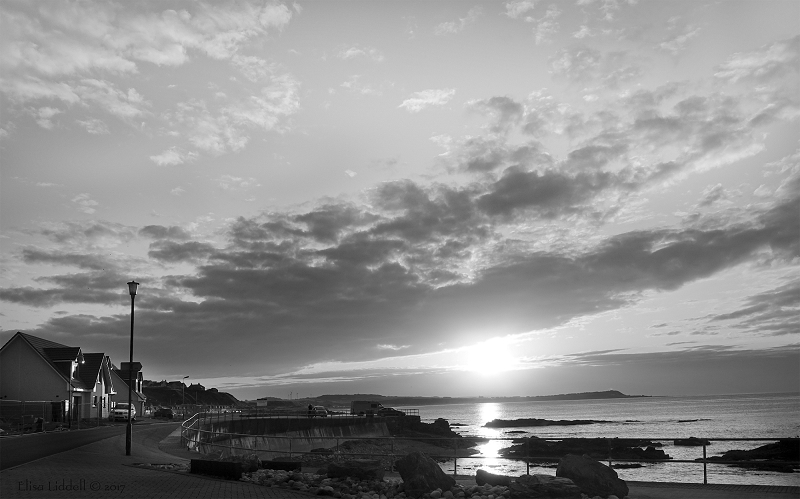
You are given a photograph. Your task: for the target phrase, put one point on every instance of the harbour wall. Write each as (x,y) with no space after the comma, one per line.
(271,438)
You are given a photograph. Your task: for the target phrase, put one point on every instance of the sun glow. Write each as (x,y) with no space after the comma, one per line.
(489,357)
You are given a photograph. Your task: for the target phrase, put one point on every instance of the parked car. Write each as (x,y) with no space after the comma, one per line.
(120,411)
(164,412)
(319,411)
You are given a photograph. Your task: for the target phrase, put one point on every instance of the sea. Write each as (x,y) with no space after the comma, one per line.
(660,419)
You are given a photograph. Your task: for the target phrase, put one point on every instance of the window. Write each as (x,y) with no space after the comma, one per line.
(94,401)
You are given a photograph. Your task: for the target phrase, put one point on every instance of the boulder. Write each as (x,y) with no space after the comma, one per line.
(591,476)
(248,462)
(421,474)
(360,469)
(543,486)
(483,477)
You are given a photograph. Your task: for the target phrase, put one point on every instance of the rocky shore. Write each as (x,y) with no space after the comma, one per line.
(599,448)
(769,457)
(521,423)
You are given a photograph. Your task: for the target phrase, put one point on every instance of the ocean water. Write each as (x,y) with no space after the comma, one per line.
(662,419)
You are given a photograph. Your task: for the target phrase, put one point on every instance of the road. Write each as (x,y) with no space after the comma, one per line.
(24,449)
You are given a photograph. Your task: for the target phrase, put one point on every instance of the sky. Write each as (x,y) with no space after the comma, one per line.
(408,198)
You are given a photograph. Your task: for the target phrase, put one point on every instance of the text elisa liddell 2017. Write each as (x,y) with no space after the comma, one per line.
(69,485)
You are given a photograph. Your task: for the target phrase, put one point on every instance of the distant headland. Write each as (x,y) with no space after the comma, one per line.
(344,400)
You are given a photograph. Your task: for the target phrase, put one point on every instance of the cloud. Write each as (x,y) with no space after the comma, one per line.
(518,8)
(254,68)
(356,52)
(550,192)
(767,63)
(165,250)
(774,312)
(218,129)
(505,111)
(582,64)
(712,194)
(161,232)
(173,156)
(44,114)
(77,53)
(85,203)
(426,98)
(80,260)
(678,36)
(230,183)
(94,126)
(547,26)
(392,347)
(354,84)
(87,235)
(430,264)
(453,27)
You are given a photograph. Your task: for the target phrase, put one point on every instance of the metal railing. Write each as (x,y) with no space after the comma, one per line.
(194,437)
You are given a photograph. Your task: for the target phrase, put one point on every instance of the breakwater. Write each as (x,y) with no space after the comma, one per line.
(281,437)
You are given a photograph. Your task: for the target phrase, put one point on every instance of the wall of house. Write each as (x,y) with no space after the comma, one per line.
(99,400)
(24,375)
(121,387)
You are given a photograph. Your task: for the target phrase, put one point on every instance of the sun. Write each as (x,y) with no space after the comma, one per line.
(490,357)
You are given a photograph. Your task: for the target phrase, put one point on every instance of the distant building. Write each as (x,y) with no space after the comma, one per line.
(196,387)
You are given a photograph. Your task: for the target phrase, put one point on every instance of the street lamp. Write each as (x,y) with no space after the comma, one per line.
(129,430)
(183,396)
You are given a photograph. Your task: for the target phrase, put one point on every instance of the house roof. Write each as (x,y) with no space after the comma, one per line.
(53,352)
(119,374)
(63,353)
(90,369)
(41,343)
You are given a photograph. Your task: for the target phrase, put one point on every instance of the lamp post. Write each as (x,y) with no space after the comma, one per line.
(129,430)
(183,396)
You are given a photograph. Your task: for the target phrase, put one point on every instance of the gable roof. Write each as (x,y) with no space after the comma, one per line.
(124,385)
(52,352)
(90,369)
(63,353)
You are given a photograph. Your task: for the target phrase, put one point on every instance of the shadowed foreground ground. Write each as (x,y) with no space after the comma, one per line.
(102,470)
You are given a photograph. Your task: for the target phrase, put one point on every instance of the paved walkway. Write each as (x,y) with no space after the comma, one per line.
(102,470)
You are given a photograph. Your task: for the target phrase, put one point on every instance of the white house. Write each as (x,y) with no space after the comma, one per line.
(77,384)
(120,378)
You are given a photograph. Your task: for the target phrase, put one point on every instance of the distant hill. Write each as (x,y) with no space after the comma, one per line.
(345,400)
(172,396)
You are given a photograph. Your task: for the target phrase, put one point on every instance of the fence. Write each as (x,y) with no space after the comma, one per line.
(194,437)
(19,417)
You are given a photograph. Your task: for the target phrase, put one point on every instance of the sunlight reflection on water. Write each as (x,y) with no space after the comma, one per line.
(766,416)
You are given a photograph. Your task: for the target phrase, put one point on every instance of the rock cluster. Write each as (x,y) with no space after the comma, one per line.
(421,477)
(347,488)
(598,448)
(778,456)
